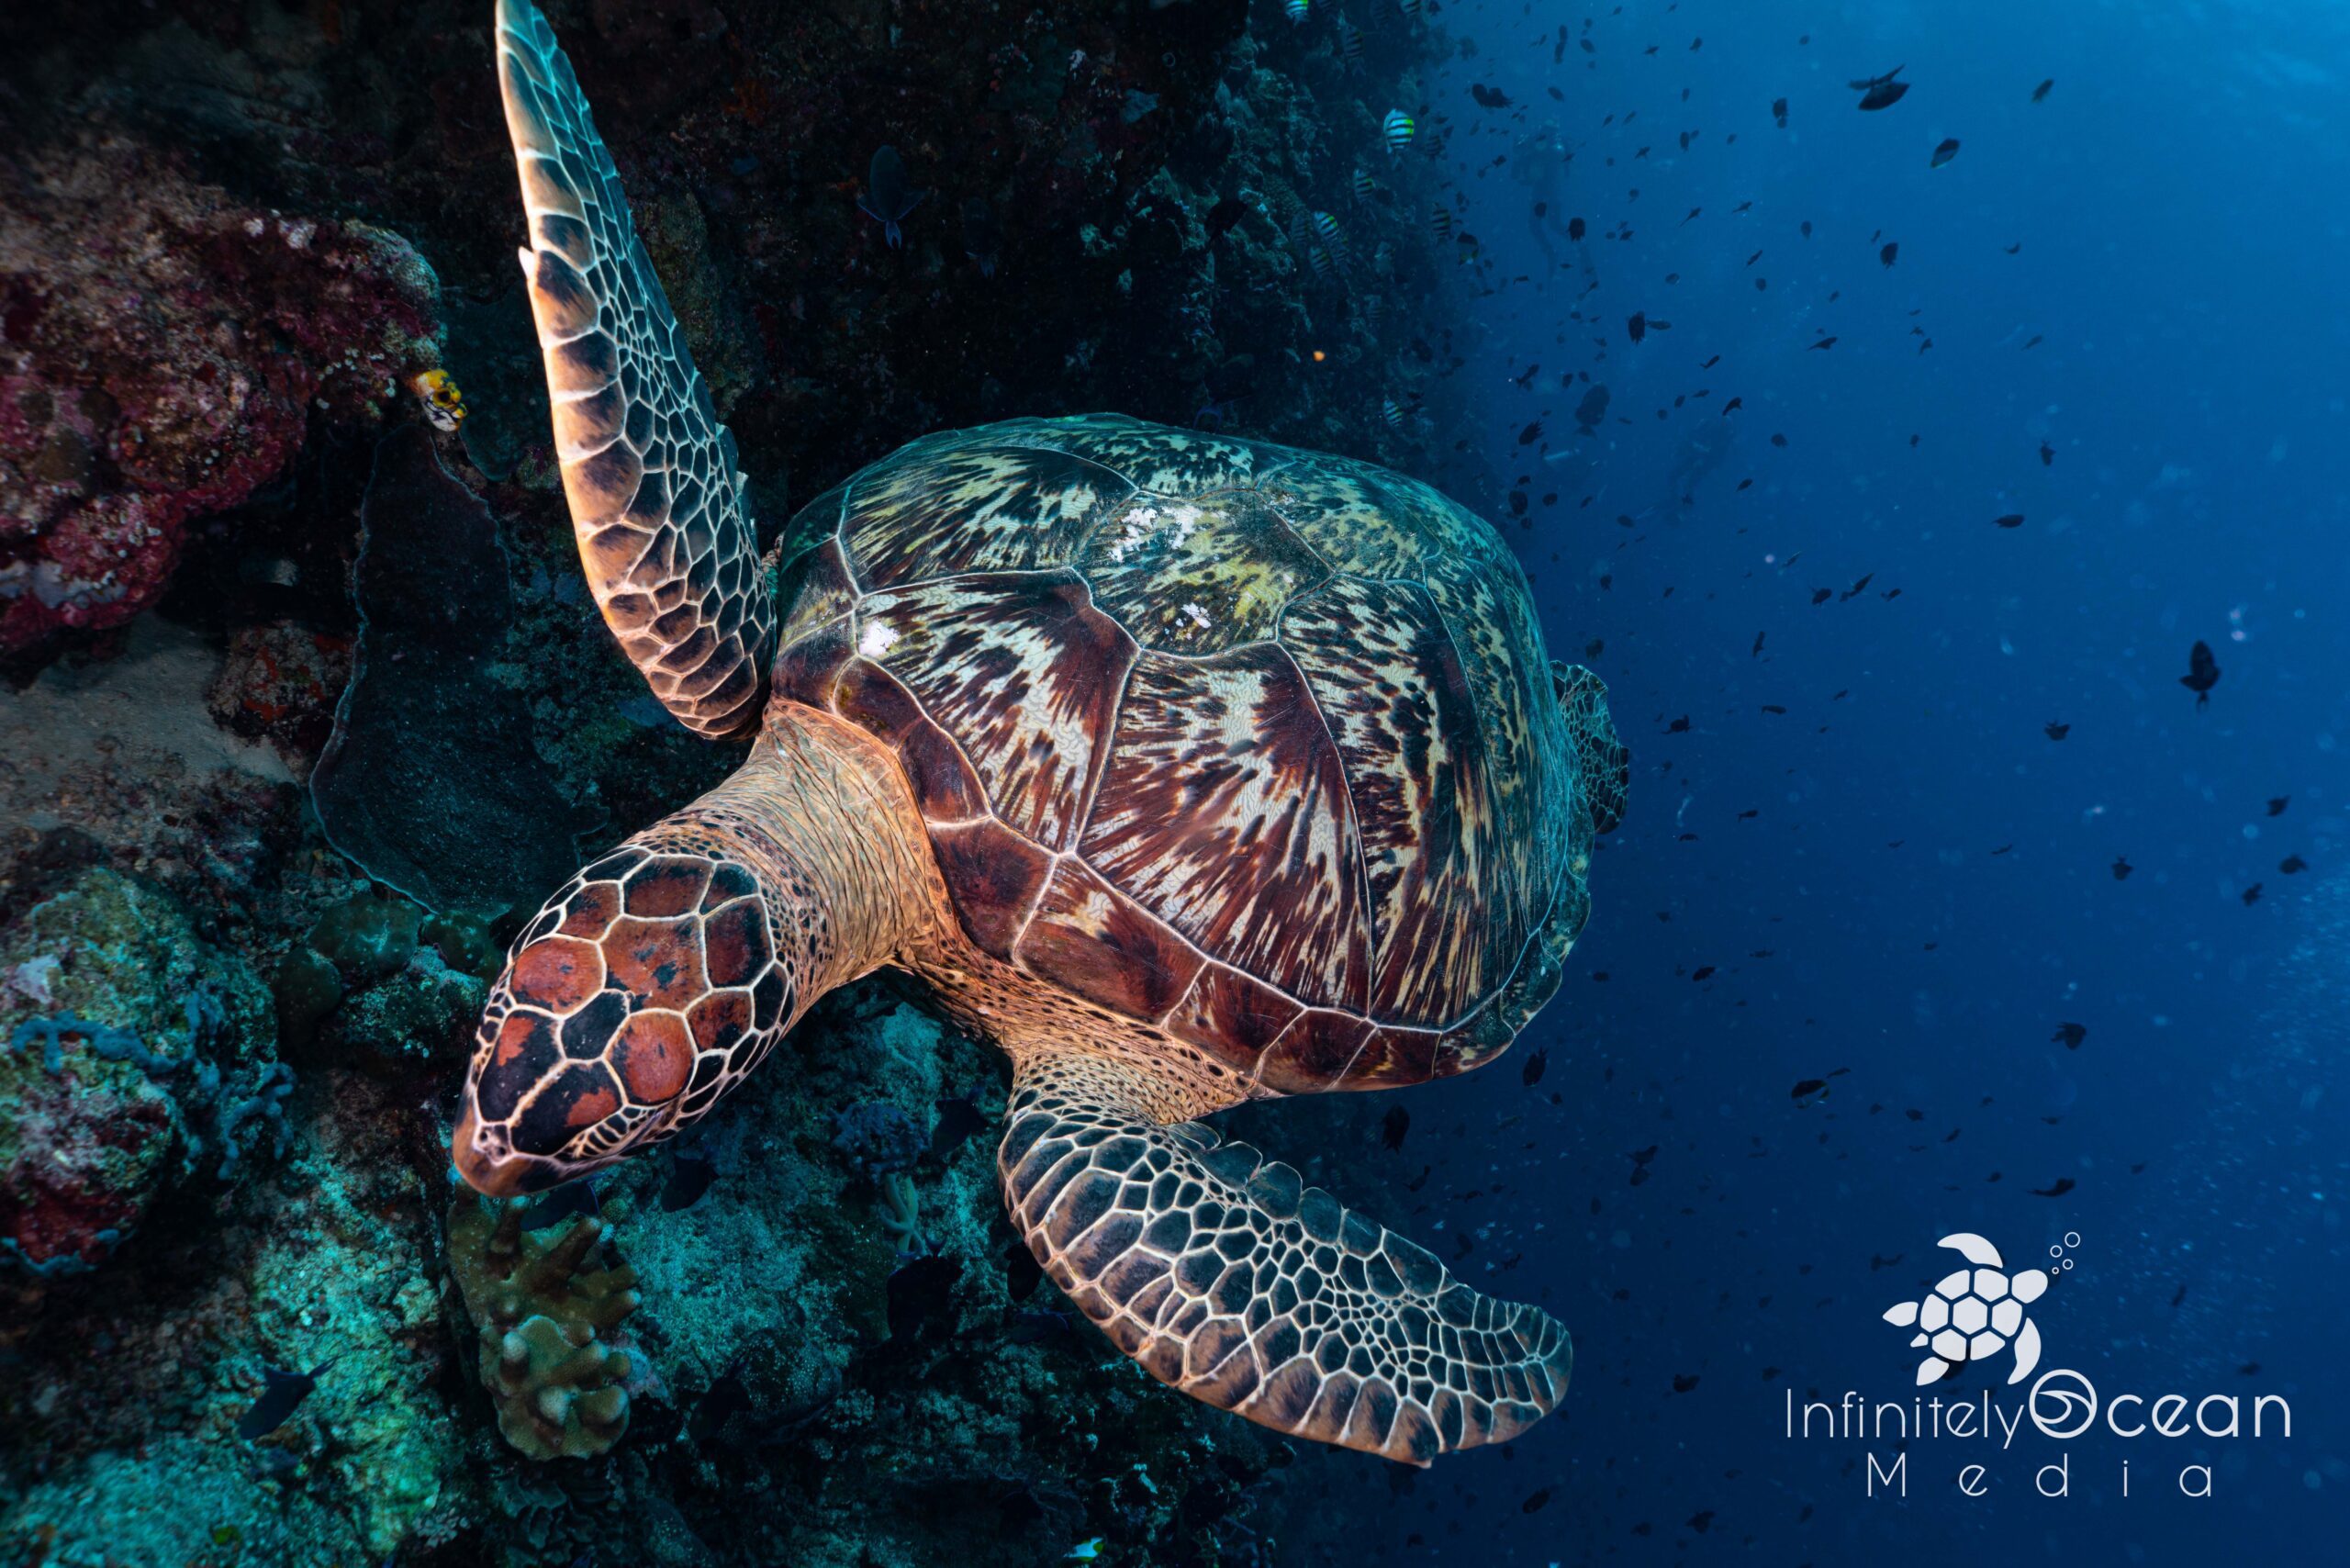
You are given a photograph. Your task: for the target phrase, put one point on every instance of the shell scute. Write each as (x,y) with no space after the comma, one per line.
(1256,746)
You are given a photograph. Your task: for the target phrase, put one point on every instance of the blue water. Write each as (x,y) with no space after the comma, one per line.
(1925,889)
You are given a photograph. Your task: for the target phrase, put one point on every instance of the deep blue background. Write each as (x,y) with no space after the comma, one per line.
(1927,871)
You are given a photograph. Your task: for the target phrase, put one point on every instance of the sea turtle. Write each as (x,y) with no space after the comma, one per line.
(1972,1312)
(1189,771)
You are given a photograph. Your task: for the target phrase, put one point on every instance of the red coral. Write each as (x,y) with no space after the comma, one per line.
(162,352)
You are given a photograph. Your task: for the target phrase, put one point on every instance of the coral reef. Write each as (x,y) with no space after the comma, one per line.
(542,1311)
(105,1119)
(162,348)
(210,324)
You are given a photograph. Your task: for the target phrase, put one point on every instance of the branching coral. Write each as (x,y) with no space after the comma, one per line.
(541,1304)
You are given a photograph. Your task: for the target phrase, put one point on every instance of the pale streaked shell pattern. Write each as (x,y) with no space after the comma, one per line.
(1255,745)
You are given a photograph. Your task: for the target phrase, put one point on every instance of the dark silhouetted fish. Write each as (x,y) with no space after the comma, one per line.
(1392,1129)
(959,1121)
(1945,153)
(1036,1327)
(2012,519)
(281,1393)
(982,236)
(571,1198)
(1592,409)
(2292,866)
(689,1177)
(2122,868)
(887,198)
(2202,672)
(2056,731)
(922,1293)
(1535,1062)
(1779,112)
(2042,91)
(1880,92)
(1224,214)
(2070,1035)
(1488,97)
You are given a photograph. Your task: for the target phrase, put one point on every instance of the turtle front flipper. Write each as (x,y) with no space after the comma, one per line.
(1228,1278)
(665,531)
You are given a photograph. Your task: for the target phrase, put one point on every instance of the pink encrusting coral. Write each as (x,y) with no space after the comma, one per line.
(162,351)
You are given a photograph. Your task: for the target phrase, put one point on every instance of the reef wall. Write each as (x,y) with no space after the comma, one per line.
(237,243)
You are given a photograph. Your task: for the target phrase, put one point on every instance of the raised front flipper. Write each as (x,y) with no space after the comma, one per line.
(1228,1278)
(665,531)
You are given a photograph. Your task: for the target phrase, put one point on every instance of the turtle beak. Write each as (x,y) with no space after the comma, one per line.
(493,1167)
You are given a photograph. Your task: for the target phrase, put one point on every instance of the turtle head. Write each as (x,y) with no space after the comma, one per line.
(644,990)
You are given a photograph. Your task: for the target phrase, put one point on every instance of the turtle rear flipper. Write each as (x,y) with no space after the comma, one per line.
(1229,1279)
(665,532)
(1605,766)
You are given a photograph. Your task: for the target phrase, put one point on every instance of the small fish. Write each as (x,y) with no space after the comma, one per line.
(1365,188)
(2202,672)
(2011,520)
(2292,866)
(2277,803)
(2040,91)
(1576,228)
(2251,895)
(281,1393)
(2047,455)
(1488,97)
(982,236)
(1332,235)
(444,404)
(1440,221)
(1297,10)
(2070,1035)
(1779,112)
(920,1292)
(571,1198)
(959,1121)
(1399,128)
(2056,731)
(1880,92)
(1636,327)
(1084,1550)
(2063,1185)
(1349,40)
(719,1403)
(888,198)
(1410,8)
(1892,249)
(1036,1327)
(689,1177)
(1536,1062)
(1224,214)
(1945,153)
(1809,1087)
(1397,1123)
(2122,868)
(1393,413)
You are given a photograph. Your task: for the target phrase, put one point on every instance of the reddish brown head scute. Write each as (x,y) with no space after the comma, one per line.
(1256,747)
(641,993)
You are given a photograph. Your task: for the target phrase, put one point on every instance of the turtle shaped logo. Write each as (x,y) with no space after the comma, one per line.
(1974,1313)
